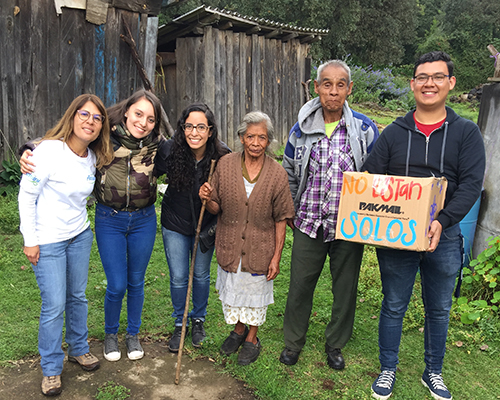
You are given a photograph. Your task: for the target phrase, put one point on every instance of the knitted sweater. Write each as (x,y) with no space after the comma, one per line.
(246,226)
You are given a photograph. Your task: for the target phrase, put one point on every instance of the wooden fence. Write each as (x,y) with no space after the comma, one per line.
(235,73)
(47,60)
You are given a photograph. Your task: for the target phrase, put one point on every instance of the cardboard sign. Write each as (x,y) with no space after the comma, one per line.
(391,211)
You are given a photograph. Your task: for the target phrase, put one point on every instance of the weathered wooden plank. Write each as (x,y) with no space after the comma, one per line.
(267,79)
(220,106)
(68,61)
(209,86)
(198,76)
(88,52)
(242,90)
(181,54)
(285,88)
(275,82)
(216,106)
(150,47)
(256,85)
(229,37)
(191,88)
(100,61)
(235,89)
(170,99)
(142,26)
(7,80)
(151,7)
(25,97)
(111,57)
(296,78)
(249,76)
(97,11)
(128,78)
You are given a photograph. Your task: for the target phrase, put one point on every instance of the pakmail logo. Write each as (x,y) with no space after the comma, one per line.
(388,209)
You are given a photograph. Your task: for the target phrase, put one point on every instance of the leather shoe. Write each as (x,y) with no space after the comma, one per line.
(334,358)
(233,342)
(249,353)
(289,357)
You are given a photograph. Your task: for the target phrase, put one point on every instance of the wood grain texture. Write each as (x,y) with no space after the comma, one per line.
(47,60)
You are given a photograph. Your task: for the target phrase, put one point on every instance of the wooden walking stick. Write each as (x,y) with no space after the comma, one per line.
(190,282)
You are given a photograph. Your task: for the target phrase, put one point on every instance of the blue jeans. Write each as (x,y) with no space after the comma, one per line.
(61,274)
(178,249)
(438,273)
(125,241)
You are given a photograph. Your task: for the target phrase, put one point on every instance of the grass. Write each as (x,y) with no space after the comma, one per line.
(112,391)
(469,372)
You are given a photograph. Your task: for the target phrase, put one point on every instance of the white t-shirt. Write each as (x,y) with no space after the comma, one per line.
(52,200)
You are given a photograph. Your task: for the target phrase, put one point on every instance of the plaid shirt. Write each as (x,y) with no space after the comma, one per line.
(319,202)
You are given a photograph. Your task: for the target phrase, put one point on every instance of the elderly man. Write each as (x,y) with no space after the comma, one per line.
(430,141)
(328,139)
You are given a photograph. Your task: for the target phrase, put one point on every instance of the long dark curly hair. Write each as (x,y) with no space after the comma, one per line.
(180,163)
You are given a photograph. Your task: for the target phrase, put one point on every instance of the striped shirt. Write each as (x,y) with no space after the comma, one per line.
(319,202)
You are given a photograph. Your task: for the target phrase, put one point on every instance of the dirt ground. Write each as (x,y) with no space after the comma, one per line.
(151,378)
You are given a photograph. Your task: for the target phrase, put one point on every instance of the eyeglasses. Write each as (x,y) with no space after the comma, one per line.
(201,128)
(436,78)
(85,115)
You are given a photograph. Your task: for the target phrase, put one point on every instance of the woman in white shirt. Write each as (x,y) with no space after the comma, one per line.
(57,234)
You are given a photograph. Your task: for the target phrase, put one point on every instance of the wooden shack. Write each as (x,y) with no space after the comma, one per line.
(235,64)
(54,50)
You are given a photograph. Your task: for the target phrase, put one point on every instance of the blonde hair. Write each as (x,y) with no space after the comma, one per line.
(101,146)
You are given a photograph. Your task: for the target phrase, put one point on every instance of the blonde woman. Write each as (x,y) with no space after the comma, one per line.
(56,231)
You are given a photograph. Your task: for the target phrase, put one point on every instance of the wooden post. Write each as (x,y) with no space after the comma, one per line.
(496,55)
(190,280)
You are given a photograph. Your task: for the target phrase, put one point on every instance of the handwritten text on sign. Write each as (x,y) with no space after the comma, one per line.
(382,209)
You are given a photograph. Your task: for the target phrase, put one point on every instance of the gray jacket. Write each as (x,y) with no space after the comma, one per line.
(310,128)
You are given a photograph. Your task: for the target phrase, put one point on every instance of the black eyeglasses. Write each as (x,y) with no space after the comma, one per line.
(436,78)
(85,115)
(201,128)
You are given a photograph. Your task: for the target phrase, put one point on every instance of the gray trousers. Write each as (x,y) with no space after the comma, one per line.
(308,258)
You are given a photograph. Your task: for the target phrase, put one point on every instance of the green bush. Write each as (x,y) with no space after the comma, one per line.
(381,87)
(480,289)
(10,177)
(9,214)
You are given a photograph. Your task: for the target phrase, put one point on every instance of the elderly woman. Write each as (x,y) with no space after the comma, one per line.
(250,193)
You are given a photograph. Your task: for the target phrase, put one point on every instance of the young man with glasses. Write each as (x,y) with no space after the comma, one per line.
(432,140)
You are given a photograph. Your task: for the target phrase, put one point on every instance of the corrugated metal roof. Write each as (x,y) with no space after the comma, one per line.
(193,22)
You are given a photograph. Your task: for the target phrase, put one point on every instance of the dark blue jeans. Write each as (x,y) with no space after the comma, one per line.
(125,241)
(438,273)
(178,250)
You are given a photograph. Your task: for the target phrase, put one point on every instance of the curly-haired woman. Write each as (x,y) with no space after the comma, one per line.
(186,161)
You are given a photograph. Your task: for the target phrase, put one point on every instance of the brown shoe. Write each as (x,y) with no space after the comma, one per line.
(51,385)
(88,362)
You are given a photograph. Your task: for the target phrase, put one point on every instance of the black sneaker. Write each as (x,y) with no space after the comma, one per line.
(175,340)
(134,348)
(197,332)
(233,342)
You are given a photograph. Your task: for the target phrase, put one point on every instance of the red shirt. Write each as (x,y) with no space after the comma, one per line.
(428,129)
